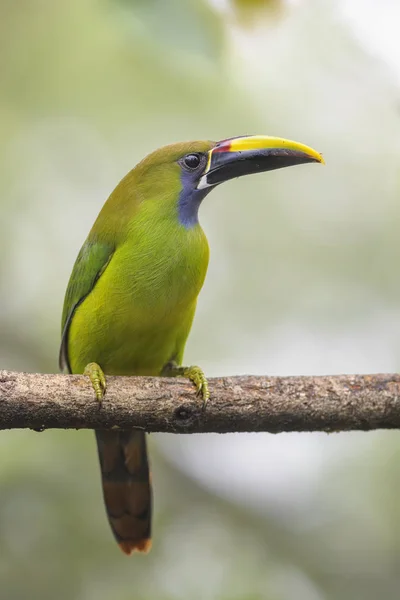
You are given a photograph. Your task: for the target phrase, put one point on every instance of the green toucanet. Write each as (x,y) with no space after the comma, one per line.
(132,295)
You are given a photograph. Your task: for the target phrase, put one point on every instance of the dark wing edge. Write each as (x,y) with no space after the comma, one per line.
(90,264)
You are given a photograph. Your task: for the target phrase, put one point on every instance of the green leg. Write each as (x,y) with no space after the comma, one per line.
(195,374)
(97,377)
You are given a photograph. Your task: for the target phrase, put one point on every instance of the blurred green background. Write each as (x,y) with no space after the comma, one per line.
(303,280)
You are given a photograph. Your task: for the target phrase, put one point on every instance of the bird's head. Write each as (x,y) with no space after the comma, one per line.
(181,175)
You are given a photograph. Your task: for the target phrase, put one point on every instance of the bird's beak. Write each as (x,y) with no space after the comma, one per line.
(253,154)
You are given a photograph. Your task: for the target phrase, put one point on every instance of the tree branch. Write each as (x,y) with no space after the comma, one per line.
(246,403)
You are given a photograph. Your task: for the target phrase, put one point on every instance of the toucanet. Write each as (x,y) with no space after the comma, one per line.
(132,294)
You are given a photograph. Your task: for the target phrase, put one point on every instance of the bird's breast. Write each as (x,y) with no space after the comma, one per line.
(141,309)
(163,276)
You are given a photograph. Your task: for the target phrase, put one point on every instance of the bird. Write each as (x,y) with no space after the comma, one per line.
(131,297)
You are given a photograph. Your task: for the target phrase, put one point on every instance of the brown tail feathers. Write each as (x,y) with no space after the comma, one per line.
(126,487)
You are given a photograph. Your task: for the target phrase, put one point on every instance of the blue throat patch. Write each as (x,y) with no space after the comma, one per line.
(190,199)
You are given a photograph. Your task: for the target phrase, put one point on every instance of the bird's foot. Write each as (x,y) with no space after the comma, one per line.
(196,376)
(98,379)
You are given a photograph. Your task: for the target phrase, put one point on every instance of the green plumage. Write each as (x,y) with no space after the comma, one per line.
(132,295)
(128,310)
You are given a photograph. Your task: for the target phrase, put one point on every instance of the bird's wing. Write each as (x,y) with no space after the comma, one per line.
(89,266)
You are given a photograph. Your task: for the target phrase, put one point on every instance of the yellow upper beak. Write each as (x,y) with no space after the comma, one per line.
(253,154)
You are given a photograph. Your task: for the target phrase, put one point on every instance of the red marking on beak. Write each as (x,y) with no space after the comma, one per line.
(223,146)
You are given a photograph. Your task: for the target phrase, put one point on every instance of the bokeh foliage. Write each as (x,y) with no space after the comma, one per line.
(303,279)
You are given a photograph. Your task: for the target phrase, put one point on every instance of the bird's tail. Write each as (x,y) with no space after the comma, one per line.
(126,487)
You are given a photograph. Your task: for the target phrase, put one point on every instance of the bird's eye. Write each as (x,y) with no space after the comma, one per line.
(191,161)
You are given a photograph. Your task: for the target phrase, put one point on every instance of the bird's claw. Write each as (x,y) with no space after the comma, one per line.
(196,376)
(97,378)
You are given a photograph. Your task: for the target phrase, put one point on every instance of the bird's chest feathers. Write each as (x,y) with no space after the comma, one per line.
(161,275)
